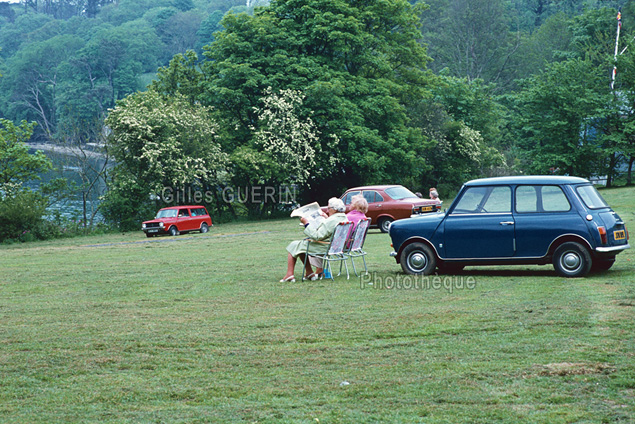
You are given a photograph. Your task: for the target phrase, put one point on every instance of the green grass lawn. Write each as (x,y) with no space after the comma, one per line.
(196,328)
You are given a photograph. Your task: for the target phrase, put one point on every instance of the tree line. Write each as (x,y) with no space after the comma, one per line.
(325,94)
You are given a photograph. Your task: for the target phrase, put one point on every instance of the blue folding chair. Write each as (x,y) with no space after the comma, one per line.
(355,249)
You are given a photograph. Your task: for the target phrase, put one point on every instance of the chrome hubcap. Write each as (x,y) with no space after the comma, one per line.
(571,261)
(418,260)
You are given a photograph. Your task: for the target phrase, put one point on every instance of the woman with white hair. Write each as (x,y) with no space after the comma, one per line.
(320,236)
(359,207)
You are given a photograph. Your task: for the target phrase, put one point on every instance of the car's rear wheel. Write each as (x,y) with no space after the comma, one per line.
(204,228)
(384,224)
(418,259)
(602,264)
(571,259)
(173,231)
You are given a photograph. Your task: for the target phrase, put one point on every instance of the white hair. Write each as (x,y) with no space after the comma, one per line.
(337,204)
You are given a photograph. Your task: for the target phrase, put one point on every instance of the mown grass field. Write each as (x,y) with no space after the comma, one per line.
(197,328)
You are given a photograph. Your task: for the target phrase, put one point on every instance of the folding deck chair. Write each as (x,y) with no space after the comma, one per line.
(335,251)
(356,245)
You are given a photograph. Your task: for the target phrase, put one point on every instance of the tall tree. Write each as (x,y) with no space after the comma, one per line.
(32,84)
(555,119)
(357,64)
(472,38)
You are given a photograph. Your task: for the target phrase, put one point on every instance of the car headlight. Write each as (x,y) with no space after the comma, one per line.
(161,224)
(143,226)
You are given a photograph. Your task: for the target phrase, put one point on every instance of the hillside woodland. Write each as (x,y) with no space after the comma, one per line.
(318,95)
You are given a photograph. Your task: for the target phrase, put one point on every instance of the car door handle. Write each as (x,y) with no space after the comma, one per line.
(507,222)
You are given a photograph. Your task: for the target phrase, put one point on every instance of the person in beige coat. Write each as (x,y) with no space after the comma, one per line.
(320,236)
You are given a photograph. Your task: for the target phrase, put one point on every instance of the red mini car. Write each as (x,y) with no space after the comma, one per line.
(178,219)
(388,203)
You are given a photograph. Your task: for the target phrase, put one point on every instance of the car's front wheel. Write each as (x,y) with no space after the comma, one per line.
(571,259)
(418,259)
(204,228)
(173,231)
(384,224)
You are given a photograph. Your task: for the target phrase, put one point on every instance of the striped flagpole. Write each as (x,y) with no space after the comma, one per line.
(617,41)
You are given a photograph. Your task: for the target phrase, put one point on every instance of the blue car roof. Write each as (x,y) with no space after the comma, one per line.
(528,179)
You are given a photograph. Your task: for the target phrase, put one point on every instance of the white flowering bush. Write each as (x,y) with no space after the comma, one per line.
(163,142)
(159,142)
(289,139)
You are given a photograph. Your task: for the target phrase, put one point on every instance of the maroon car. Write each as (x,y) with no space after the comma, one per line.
(178,219)
(388,203)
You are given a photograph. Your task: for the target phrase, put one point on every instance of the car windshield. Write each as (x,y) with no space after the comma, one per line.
(591,197)
(167,213)
(398,193)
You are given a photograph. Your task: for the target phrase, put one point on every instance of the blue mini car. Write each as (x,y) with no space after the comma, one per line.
(514,221)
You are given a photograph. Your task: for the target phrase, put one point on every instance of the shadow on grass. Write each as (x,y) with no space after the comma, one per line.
(548,271)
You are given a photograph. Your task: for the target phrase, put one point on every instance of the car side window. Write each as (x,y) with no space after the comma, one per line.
(499,200)
(532,199)
(470,201)
(183,212)
(485,200)
(372,196)
(526,199)
(347,199)
(554,199)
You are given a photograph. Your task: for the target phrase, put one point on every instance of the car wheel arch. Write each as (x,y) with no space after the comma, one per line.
(385,215)
(416,240)
(560,240)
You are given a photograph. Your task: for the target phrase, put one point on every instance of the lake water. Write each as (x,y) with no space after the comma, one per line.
(66,165)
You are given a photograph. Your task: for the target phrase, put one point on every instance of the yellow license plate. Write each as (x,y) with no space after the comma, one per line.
(426,208)
(619,235)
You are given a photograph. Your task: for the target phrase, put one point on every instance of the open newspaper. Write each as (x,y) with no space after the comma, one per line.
(311,212)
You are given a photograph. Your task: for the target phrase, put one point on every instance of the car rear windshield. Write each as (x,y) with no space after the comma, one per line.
(398,193)
(591,197)
(167,213)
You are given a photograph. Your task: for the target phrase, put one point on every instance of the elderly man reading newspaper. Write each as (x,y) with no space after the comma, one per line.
(320,232)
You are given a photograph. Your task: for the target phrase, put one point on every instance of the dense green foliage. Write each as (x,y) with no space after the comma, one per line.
(21,210)
(17,166)
(21,214)
(321,95)
(65,63)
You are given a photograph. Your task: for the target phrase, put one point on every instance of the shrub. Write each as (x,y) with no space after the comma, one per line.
(20,215)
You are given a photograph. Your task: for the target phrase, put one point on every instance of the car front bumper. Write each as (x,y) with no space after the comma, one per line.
(154,231)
